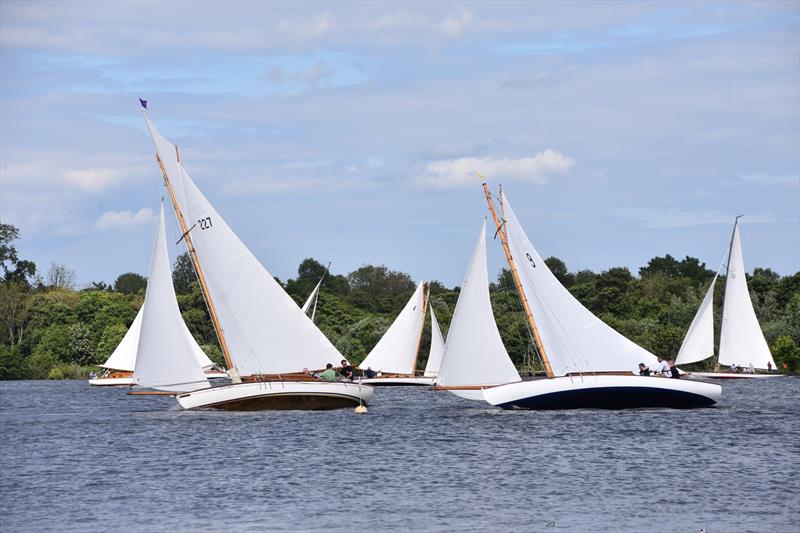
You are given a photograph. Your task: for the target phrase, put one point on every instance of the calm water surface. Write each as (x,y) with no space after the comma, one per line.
(76,458)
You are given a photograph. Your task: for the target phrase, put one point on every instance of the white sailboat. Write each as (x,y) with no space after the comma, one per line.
(313,298)
(122,362)
(436,352)
(588,364)
(474,355)
(742,343)
(270,345)
(395,355)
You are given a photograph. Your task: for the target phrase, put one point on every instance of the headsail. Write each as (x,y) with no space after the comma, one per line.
(396,351)
(312,299)
(699,341)
(474,353)
(266,332)
(437,348)
(741,341)
(574,338)
(166,354)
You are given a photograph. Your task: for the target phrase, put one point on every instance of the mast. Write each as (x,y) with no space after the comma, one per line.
(514,274)
(421,329)
(197,268)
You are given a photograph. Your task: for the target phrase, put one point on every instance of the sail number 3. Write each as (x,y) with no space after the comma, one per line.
(205,223)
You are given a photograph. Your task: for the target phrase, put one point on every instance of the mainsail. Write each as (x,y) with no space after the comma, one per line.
(167,357)
(741,340)
(437,348)
(396,351)
(574,339)
(474,353)
(699,341)
(265,331)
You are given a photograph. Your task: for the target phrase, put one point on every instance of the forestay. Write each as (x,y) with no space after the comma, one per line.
(266,332)
(437,348)
(474,353)
(396,351)
(166,353)
(699,341)
(574,339)
(124,355)
(741,341)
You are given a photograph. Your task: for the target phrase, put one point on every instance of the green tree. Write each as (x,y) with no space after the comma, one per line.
(15,304)
(183,276)
(786,353)
(559,270)
(130,283)
(14,269)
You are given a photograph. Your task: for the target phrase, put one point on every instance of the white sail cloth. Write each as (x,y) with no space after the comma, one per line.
(474,353)
(741,340)
(266,332)
(167,357)
(312,298)
(396,351)
(574,339)
(437,348)
(699,341)
(124,355)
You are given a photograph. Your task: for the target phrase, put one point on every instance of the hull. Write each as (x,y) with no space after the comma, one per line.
(399,381)
(111,382)
(278,396)
(731,375)
(604,392)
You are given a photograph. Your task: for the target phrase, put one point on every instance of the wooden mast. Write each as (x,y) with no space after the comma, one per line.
(422,329)
(525,306)
(197,268)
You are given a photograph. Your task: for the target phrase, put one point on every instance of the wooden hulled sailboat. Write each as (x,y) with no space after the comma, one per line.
(741,342)
(269,344)
(395,356)
(587,363)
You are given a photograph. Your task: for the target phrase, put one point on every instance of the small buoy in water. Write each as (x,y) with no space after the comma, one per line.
(361,409)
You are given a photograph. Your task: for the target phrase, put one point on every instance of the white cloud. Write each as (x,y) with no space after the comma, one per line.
(455,24)
(453,173)
(122,219)
(93,179)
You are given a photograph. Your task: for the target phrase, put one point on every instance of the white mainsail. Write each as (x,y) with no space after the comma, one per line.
(699,341)
(167,356)
(741,341)
(396,351)
(437,348)
(266,332)
(574,339)
(124,355)
(474,353)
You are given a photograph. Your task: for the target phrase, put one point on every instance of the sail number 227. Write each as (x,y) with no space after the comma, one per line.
(205,223)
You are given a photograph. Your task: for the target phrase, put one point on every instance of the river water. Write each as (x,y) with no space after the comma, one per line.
(76,458)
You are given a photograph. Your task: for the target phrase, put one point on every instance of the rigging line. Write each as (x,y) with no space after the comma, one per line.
(525,343)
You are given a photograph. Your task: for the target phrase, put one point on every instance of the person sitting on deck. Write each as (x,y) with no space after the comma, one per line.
(734,368)
(329,374)
(370,373)
(92,375)
(347,370)
(674,369)
(643,370)
(662,367)
(769,366)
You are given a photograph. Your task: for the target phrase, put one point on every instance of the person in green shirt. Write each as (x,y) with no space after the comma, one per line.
(329,374)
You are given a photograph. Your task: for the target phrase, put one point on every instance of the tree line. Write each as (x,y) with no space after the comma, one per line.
(49,328)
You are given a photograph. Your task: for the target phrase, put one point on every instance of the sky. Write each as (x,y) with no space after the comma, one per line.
(351,132)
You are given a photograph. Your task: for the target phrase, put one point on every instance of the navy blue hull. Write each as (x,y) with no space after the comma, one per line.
(612,398)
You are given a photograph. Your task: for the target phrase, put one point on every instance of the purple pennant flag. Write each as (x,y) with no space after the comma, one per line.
(143,102)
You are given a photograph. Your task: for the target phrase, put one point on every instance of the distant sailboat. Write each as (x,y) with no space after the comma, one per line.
(122,362)
(434,362)
(742,342)
(268,342)
(313,298)
(588,364)
(396,353)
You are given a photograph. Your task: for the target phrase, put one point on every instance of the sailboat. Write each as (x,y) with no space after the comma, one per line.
(270,346)
(395,355)
(313,298)
(121,363)
(436,351)
(741,342)
(588,364)
(474,357)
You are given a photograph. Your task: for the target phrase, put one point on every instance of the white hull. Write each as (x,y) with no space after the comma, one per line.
(476,395)
(416,380)
(278,395)
(603,392)
(109,382)
(731,375)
